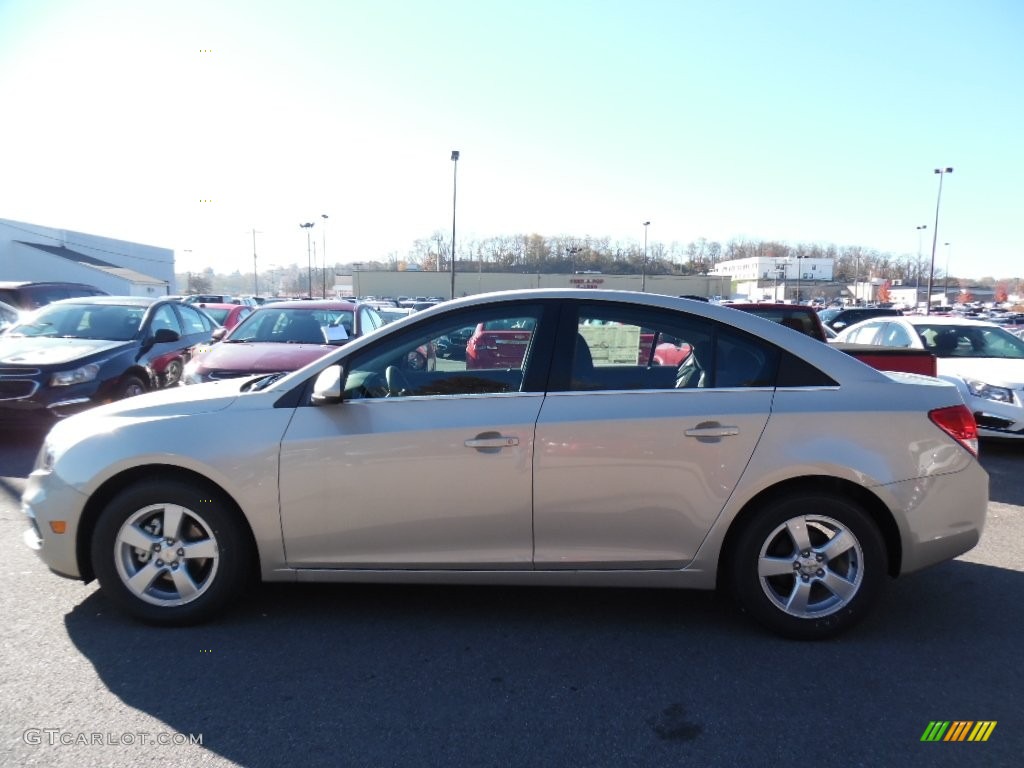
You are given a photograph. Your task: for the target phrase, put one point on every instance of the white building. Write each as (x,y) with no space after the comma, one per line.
(766,268)
(762,278)
(36,253)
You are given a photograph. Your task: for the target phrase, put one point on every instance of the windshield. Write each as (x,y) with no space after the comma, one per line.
(294,326)
(83,321)
(219,315)
(970,341)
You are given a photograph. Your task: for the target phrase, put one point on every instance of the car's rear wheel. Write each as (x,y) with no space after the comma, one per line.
(170,553)
(172,374)
(808,566)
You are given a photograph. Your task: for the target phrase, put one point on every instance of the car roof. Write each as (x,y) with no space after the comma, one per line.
(121,301)
(217,305)
(314,304)
(22,283)
(947,320)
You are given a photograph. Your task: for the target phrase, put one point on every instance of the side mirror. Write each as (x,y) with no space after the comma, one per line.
(327,387)
(218,334)
(166,336)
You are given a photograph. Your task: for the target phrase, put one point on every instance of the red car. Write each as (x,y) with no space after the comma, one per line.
(283,336)
(227,315)
(499,344)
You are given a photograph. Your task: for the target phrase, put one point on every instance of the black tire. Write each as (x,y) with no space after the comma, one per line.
(209,550)
(821,589)
(129,386)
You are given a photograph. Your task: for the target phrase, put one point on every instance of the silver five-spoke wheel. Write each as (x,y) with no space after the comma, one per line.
(166,554)
(173,551)
(808,565)
(811,566)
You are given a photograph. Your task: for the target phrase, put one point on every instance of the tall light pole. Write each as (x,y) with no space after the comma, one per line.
(780,269)
(643,268)
(255,278)
(324,217)
(917,271)
(455,178)
(935,237)
(309,255)
(945,290)
(188,278)
(572,250)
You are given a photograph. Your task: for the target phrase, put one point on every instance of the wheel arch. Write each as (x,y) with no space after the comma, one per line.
(871,504)
(140,372)
(103,495)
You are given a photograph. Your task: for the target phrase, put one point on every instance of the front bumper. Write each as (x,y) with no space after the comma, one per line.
(40,399)
(48,500)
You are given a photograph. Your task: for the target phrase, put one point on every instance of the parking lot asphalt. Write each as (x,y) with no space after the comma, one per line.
(425,676)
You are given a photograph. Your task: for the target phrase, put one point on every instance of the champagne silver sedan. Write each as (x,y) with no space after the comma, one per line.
(764,463)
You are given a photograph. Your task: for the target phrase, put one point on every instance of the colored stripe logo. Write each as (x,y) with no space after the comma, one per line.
(959,730)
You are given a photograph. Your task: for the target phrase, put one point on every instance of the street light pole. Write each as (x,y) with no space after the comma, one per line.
(255,278)
(935,237)
(455,178)
(917,272)
(324,217)
(945,290)
(309,255)
(643,269)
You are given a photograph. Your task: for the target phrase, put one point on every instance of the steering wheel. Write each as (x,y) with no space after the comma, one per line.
(398,385)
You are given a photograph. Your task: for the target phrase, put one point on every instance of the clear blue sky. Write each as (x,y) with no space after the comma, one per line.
(796,121)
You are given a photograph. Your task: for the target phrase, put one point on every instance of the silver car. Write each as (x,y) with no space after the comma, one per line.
(763,462)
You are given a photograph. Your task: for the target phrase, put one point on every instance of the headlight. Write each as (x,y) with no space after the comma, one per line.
(989,392)
(77,376)
(45,458)
(191,374)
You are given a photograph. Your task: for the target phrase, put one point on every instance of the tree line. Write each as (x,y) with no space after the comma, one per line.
(534,253)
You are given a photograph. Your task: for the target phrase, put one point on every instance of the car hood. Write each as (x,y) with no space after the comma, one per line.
(175,402)
(261,357)
(992,370)
(29,350)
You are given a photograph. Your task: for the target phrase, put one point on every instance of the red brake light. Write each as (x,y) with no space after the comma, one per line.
(958,422)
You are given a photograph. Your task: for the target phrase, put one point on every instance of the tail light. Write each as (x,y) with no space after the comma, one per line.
(958,422)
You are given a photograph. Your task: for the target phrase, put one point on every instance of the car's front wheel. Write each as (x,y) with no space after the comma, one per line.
(130,386)
(808,566)
(170,553)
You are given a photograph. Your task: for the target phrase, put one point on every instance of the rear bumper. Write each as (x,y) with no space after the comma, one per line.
(941,516)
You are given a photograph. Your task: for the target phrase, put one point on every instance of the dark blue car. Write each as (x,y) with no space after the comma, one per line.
(76,353)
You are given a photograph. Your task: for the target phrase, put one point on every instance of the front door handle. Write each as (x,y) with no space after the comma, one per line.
(491,442)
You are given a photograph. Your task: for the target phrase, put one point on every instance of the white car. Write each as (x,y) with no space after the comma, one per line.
(983,360)
(765,463)
(8,316)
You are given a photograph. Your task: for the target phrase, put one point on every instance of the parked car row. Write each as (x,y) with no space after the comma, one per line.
(983,360)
